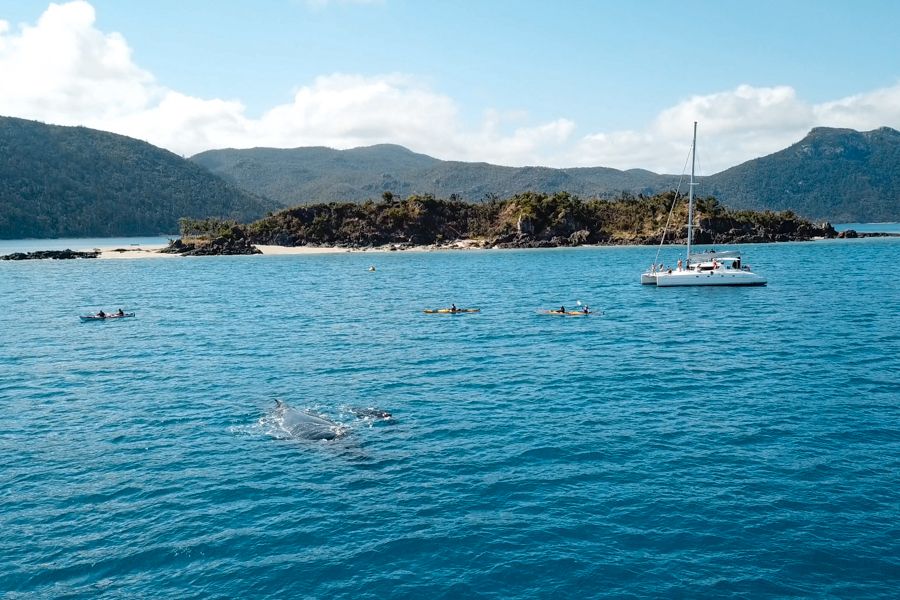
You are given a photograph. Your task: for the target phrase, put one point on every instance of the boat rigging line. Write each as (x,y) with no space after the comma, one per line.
(672,209)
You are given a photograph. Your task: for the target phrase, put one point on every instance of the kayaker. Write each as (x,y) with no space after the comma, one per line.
(586,309)
(120,313)
(562,309)
(453,308)
(101,314)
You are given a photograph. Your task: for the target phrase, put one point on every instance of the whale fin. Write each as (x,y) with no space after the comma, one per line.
(371,413)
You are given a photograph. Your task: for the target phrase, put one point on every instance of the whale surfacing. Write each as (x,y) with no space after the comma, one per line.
(306,425)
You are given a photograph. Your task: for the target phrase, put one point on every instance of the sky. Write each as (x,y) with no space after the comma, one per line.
(562,84)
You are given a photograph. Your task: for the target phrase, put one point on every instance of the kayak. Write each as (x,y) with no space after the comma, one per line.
(450,311)
(104,318)
(568,313)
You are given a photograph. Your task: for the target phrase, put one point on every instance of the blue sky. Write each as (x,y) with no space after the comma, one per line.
(564,84)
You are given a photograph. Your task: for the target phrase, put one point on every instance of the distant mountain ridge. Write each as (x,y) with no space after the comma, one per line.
(77,182)
(840,175)
(315,174)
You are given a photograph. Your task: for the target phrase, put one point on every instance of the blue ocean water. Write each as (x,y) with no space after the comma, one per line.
(869,227)
(696,442)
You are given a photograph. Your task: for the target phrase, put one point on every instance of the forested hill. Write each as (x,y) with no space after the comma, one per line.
(837,174)
(73,181)
(528,220)
(77,182)
(308,175)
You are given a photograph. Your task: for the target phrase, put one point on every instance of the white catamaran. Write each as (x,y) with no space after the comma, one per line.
(704,268)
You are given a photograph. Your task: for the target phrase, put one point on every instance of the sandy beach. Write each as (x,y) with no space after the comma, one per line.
(153,250)
(282,250)
(456,245)
(148,251)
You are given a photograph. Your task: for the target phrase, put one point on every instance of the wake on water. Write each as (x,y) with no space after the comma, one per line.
(284,422)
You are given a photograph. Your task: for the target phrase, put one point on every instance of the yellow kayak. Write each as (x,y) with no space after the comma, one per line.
(450,311)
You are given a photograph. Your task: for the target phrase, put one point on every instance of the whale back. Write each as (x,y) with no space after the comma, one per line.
(303,424)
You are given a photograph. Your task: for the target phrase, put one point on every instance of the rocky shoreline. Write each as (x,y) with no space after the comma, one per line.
(850,234)
(244,246)
(525,221)
(226,245)
(528,220)
(239,239)
(51,254)
(709,231)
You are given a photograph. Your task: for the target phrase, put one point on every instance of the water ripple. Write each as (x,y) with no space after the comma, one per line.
(689,443)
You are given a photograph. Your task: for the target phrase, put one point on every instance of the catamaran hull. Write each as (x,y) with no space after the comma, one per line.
(701,269)
(689,278)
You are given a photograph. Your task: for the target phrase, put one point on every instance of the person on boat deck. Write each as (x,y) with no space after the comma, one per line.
(679,264)
(120,313)
(101,314)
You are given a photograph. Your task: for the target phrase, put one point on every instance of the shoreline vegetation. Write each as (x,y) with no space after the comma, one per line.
(531,220)
(423,222)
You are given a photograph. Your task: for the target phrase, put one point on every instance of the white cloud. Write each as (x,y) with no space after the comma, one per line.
(351,110)
(64,70)
(735,126)
(863,111)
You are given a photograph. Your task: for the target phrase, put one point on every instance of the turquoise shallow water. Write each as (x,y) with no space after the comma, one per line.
(688,442)
(869,227)
(30,245)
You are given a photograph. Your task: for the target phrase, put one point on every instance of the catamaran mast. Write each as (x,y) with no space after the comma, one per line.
(691,198)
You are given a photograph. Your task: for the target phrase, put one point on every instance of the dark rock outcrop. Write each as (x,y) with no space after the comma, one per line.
(220,246)
(728,230)
(54,254)
(850,234)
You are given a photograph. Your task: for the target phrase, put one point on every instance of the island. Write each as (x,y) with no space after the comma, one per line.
(529,220)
